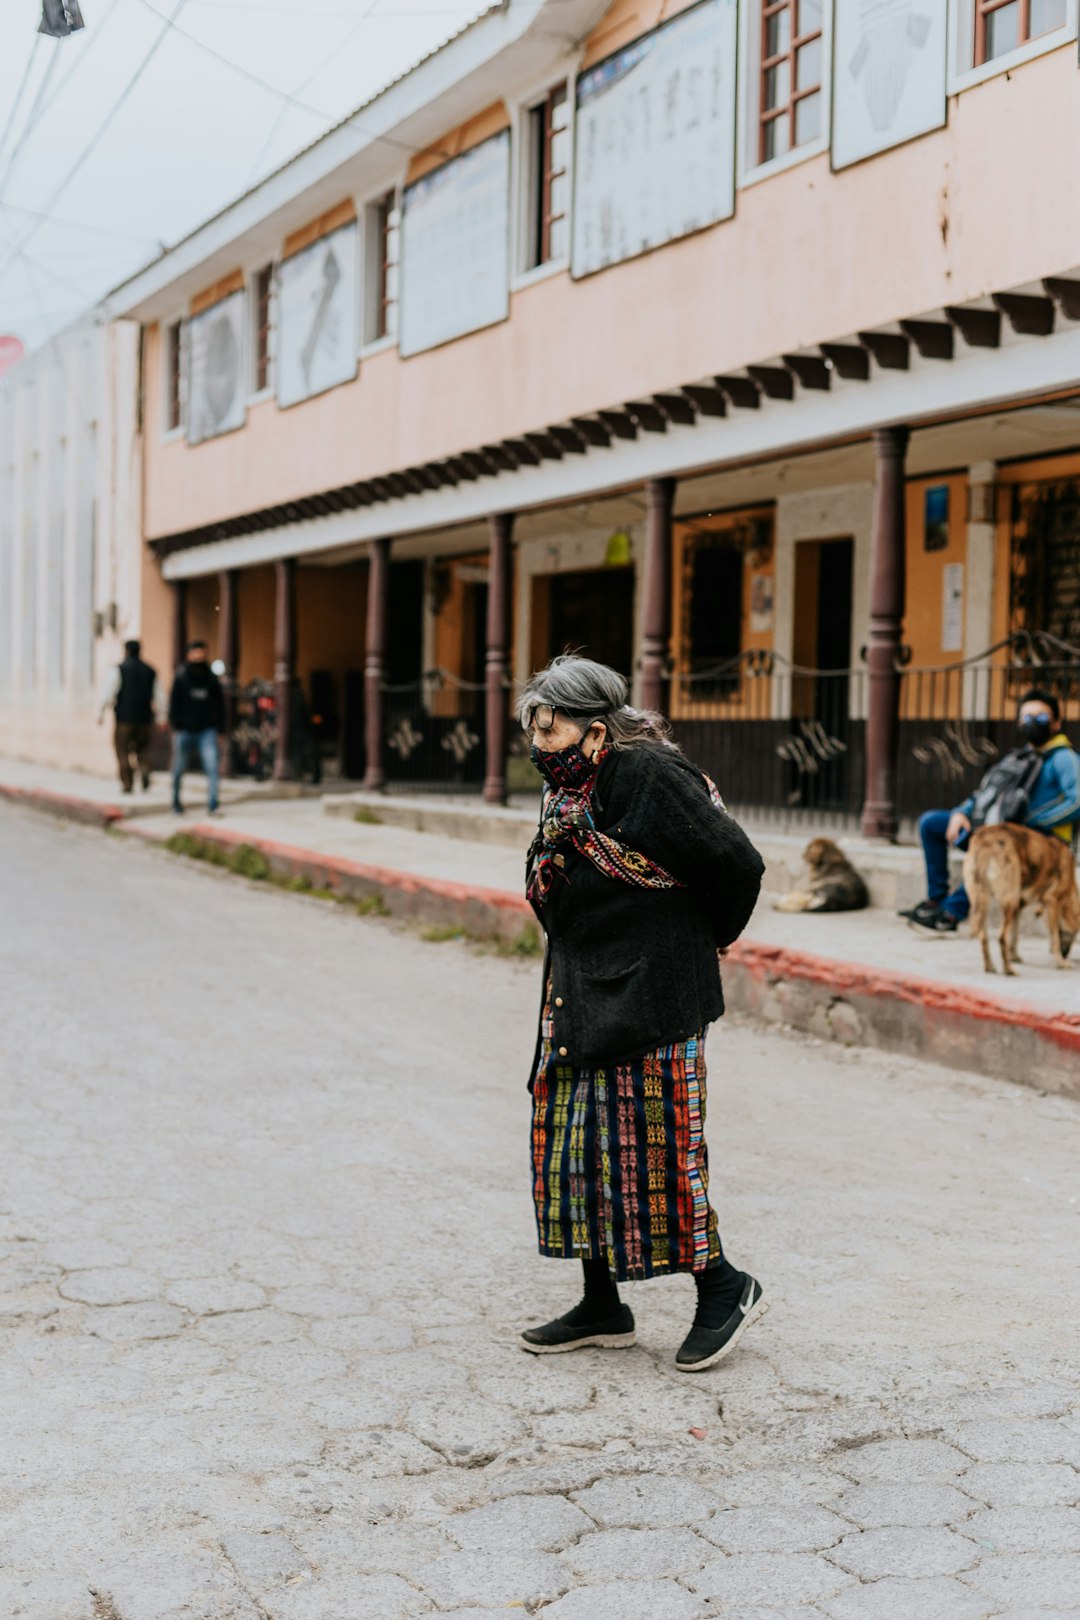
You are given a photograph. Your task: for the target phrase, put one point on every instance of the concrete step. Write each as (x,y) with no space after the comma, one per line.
(893,873)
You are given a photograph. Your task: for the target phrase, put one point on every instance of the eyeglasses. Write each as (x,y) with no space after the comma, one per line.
(541,717)
(538,717)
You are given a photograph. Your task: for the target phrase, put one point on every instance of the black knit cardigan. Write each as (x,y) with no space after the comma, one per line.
(633,969)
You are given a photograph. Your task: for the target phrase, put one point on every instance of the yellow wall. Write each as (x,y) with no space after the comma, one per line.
(624,21)
(925,570)
(754,567)
(1021,472)
(331,604)
(455,141)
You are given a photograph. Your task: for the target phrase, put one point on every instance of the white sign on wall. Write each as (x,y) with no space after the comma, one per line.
(455,247)
(952,607)
(654,143)
(318,317)
(889,77)
(216,395)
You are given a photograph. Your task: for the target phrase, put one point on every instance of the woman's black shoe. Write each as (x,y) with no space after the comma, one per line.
(608,1333)
(705,1346)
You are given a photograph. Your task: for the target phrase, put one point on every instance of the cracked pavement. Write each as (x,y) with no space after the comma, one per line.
(266,1239)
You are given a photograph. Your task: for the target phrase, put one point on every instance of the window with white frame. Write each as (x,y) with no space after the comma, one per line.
(262,321)
(546,181)
(382,258)
(992,31)
(790,77)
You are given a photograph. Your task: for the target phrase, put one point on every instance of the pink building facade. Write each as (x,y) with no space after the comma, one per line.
(736,342)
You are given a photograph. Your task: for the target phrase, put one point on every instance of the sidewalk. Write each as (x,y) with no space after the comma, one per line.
(860,978)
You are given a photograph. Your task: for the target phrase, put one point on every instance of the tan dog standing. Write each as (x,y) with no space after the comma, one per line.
(1017,867)
(832,884)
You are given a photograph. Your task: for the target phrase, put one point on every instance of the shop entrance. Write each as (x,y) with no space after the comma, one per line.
(822,730)
(590,611)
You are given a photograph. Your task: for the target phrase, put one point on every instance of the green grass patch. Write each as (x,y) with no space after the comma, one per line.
(526,945)
(372,905)
(367,817)
(243,859)
(439,934)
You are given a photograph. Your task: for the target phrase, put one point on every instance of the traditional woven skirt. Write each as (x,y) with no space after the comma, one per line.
(620,1167)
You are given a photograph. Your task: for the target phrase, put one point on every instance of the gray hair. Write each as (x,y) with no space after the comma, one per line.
(586,690)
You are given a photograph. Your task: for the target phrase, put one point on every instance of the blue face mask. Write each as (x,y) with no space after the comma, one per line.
(566,768)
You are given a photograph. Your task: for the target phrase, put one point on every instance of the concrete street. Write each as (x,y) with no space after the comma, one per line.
(265,1240)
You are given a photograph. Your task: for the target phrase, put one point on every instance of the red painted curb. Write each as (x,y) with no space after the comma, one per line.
(64,804)
(501,900)
(778,962)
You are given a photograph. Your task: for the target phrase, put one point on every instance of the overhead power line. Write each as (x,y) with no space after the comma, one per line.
(23,82)
(331,119)
(31,119)
(19,249)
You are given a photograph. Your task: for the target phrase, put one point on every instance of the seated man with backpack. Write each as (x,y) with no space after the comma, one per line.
(1037,785)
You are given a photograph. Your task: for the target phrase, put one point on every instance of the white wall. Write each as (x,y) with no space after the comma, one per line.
(70,479)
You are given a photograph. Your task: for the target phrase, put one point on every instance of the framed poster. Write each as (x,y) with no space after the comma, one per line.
(455,247)
(654,141)
(318,316)
(888,74)
(217,398)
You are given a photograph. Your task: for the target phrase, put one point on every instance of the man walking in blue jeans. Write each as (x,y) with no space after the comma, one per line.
(1043,791)
(197,718)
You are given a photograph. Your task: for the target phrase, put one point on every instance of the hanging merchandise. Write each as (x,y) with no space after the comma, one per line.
(59,18)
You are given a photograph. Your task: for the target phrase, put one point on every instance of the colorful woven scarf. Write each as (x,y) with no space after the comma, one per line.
(566,822)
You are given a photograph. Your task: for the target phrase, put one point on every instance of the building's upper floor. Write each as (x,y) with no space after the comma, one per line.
(573,205)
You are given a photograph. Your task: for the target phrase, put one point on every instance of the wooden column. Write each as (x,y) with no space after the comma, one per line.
(659,501)
(378,598)
(229,653)
(179,622)
(500,528)
(284,665)
(887,591)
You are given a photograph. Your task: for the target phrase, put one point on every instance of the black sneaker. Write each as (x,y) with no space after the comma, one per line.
(611,1333)
(941,923)
(924,911)
(146,781)
(704,1347)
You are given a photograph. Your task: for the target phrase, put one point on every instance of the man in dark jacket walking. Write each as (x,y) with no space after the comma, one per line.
(134,697)
(197,718)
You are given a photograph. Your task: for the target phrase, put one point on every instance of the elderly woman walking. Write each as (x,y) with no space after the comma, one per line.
(639,878)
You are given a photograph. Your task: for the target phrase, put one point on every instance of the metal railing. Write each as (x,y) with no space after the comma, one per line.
(787,744)
(434,733)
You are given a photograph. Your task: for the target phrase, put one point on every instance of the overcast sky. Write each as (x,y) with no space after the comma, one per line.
(191,133)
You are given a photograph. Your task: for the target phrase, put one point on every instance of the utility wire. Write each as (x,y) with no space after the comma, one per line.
(330,119)
(18,250)
(78,224)
(83,51)
(280,118)
(23,82)
(31,118)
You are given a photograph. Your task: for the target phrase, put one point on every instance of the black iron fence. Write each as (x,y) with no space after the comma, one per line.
(434,733)
(787,745)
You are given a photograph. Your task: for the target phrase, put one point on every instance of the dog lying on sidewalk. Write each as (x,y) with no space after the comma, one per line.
(832,884)
(1017,867)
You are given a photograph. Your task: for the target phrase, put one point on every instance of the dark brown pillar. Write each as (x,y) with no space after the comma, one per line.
(285,665)
(229,653)
(179,623)
(659,500)
(378,598)
(500,528)
(887,591)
